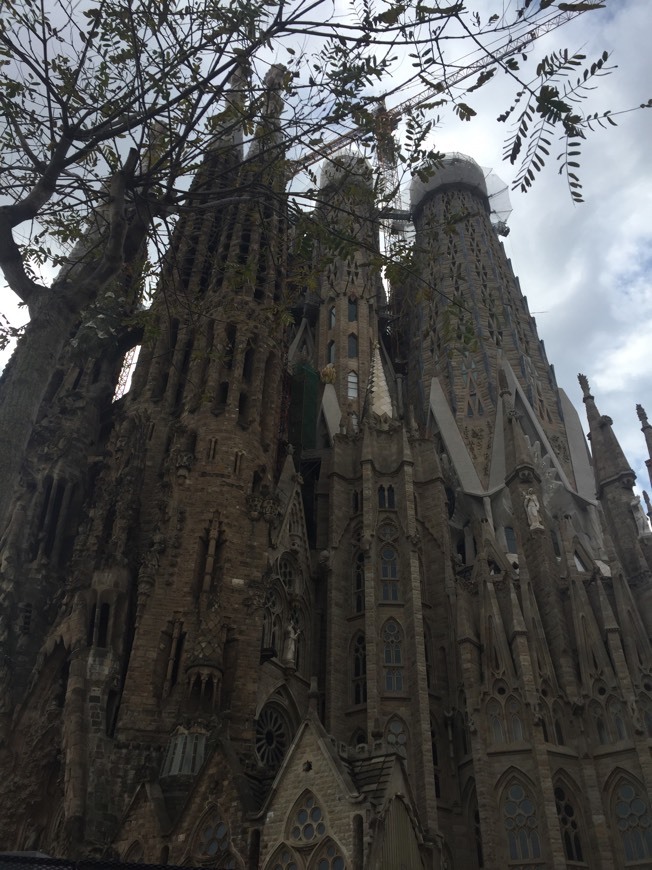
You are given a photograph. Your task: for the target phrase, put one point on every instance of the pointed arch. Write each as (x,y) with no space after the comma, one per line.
(306,823)
(396,735)
(284,858)
(496,721)
(393,656)
(358,659)
(329,856)
(630,814)
(514,713)
(519,817)
(470,802)
(571,821)
(358,582)
(211,841)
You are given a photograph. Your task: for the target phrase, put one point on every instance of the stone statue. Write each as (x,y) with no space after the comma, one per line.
(531,504)
(291,637)
(639,516)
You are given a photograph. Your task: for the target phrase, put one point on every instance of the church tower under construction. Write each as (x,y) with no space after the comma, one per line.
(338,590)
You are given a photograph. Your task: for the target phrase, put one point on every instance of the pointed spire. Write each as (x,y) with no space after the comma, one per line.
(380,401)
(646,429)
(608,458)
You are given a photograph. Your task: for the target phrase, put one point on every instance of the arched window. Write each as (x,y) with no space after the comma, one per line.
(353,310)
(283,859)
(514,720)
(495,716)
(435,759)
(392,657)
(212,840)
(359,669)
(521,826)
(352,385)
(396,735)
(288,573)
(634,822)
(272,626)
(618,718)
(597,715)
(391,500)
(570,832)
(331,317)
(389,573)
(307,823)
(358,584)
(330,352)
(382,497)
(352,346)
(328,857)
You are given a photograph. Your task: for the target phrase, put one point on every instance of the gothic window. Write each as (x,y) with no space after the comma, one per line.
(396,735)
(570,832)
(329,857)
(435,759)
(358,584)
(617,716)
(307,824)
(634,822)
(520,820)
(331,317)
(272,736)
(514,720)
(284,859)
(352,346)
(330,352)
(359,669)
(212,840)
(272,625)
(287,573)
(389,573)
(392,657)
(496,726)
(510,538)
(355,501)
(353,310)
(352,385)
(382,497)
(391,500)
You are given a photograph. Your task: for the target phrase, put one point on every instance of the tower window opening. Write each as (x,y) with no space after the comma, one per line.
(391,500)
(352,385)
(389,573)
(26,619)
(352,348)
(520,820)
(358,584)
(103,625)
(359,670)
(330,352)
(392,657)
(382,497)
(229,346)
(248,365)
(222,397)
(353,310)
(331,317)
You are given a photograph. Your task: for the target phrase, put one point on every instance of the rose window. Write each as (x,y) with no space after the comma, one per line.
(308,822)
(272,737)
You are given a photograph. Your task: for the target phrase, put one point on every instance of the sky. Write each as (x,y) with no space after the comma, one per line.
(585,268)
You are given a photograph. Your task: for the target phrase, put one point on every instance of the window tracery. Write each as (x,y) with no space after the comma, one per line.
(396,735)
(308,823)
(284,859)
(359,669)
(358,584)
(272,736)
(521,824)
(329,857)
(389,573)
(568,821)
(212,840)
(393,658)
(634,822)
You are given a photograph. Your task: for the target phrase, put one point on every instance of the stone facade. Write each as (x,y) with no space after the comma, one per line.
(348,593)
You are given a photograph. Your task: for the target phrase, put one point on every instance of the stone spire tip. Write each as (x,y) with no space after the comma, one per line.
(584,384)
(642,416)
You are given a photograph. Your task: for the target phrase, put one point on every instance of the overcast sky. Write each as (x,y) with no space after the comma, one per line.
(586,269)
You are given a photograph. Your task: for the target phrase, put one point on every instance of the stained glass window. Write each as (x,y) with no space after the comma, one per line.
(520,820)
(634,823)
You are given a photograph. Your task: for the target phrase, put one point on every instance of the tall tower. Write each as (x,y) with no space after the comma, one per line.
(344,593)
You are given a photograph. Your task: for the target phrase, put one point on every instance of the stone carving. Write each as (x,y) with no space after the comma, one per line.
(639,517)
(290,651)
(328,374)
(531,504)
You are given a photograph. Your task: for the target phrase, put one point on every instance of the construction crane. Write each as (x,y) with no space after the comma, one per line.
(388,119)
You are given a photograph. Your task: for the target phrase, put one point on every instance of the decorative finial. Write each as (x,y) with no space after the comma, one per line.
(642,416)
(648,504)
(584,384)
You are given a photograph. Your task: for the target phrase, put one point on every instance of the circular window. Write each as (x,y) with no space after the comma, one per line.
(272,736)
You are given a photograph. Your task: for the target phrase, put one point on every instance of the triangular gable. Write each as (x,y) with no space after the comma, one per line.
(593,657)
(291,533)
(145,812)
(301,339)
(493,638)
(397,842)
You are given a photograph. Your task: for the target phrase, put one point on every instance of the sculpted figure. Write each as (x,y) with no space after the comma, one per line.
(531,503)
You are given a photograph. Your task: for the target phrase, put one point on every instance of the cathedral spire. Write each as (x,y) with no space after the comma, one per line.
(608,458)
(646,429)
